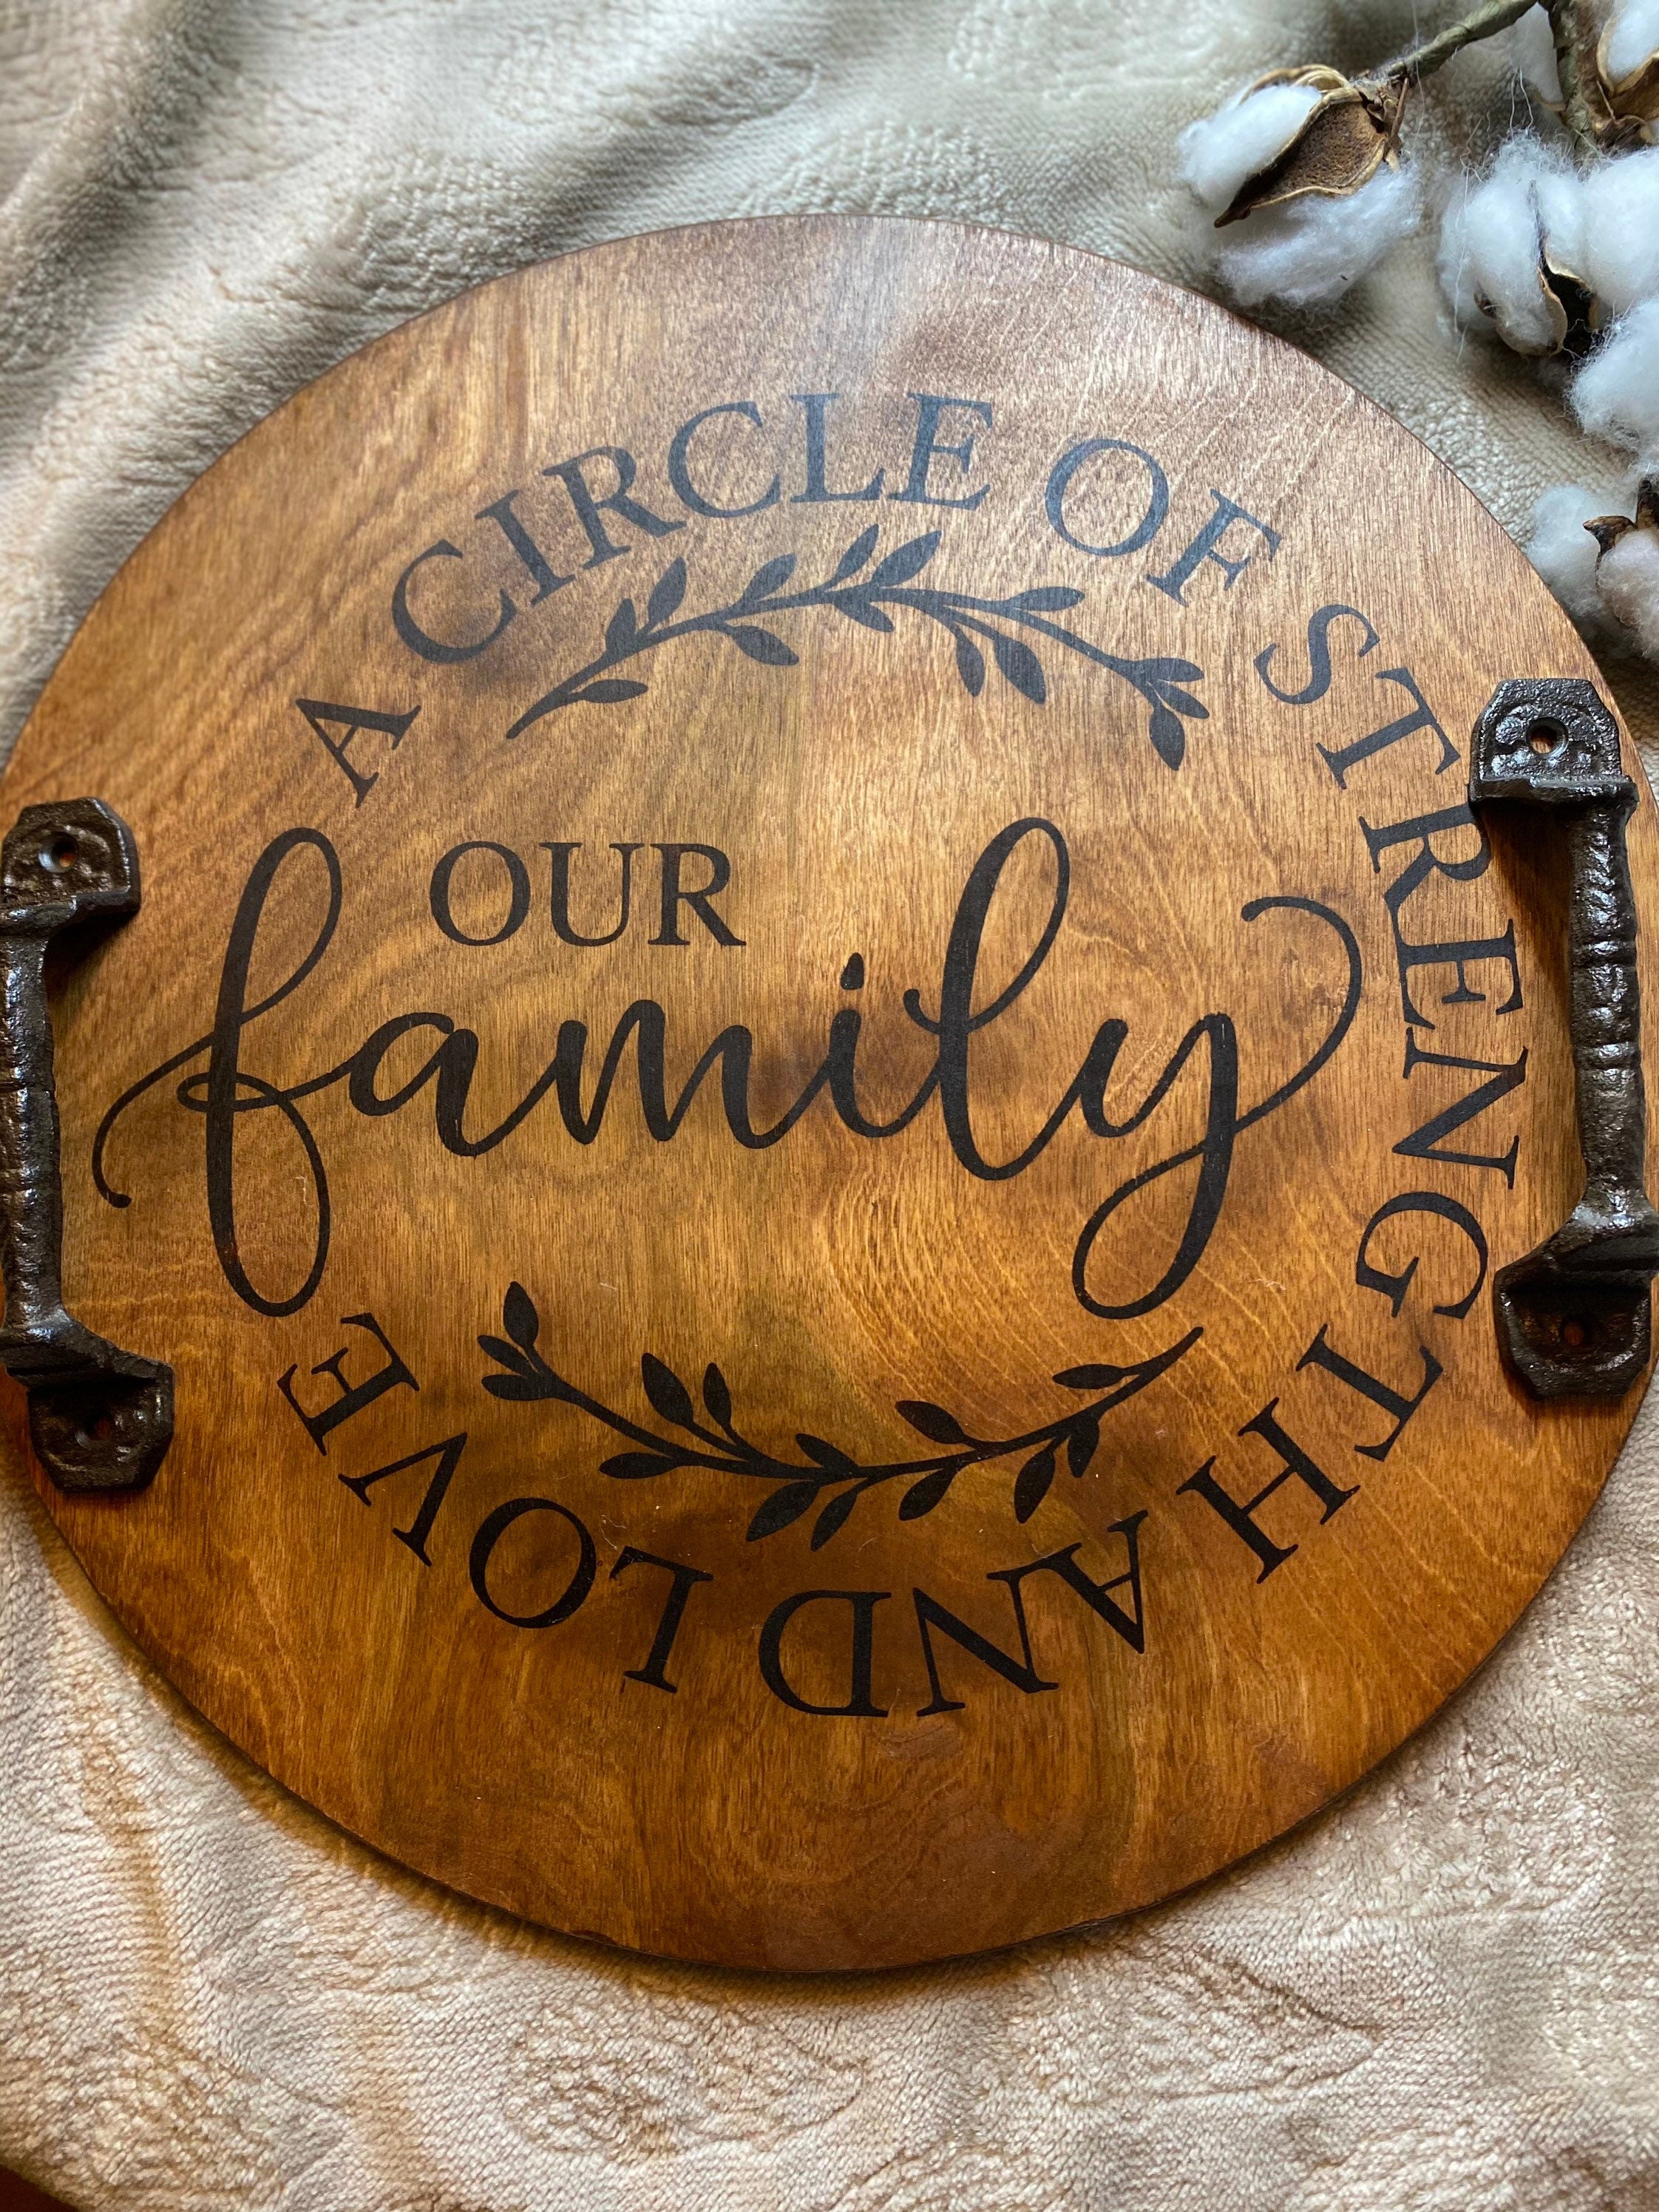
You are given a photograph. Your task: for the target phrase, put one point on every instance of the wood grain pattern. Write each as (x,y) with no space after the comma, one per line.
(859,738)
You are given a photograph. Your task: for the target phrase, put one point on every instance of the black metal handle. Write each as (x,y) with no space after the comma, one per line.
(100,1418)
(1574,1317)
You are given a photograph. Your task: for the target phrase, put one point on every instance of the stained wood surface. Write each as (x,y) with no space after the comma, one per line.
(863,751)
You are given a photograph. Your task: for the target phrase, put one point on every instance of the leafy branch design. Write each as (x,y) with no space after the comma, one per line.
(864,598)
(825,1477)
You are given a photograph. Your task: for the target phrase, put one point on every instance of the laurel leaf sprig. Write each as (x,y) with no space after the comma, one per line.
(869,600)
(826,1477)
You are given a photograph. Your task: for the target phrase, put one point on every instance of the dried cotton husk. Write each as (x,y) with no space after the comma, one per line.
(1346,137)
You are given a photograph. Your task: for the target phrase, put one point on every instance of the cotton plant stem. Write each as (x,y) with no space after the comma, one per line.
(1574,27)
(1496,15)
(1583,112)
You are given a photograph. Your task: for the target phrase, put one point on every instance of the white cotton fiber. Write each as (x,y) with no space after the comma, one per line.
(1491,240)
(1633,36)
(1219,151)
(1629,578)
(1614,596)
(1311,252)
(1615,395)
(1535,49)
(1558,199)
(1564,552)
(1619,215)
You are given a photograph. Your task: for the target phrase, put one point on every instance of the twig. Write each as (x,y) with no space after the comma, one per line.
(1496,15)
(1584,111)
(1585,115)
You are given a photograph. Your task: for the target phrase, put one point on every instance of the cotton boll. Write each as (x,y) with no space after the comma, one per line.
(1619,215)
(1489,239)
(1535,49)
(1632,36)
(1628,576)
(1564,552)
(1496,236)
(1219,151)
(1627,65)
(1311,252)
(1615,395)
(1601,562)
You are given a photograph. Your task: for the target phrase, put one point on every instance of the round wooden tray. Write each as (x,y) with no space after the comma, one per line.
(817,1089)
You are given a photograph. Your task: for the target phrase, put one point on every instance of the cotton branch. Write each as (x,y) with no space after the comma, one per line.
(1485,23)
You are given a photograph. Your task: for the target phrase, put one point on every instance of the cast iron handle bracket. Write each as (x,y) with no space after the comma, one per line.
(1574,1317)
(100,1418)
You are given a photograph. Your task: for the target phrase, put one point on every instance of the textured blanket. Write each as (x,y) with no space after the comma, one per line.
(1443,1994)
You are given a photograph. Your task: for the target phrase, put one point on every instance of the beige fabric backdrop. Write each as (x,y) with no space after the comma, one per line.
(1446,1993)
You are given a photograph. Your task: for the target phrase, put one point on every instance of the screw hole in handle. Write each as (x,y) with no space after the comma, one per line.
(100,1419)
(1575,1317)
